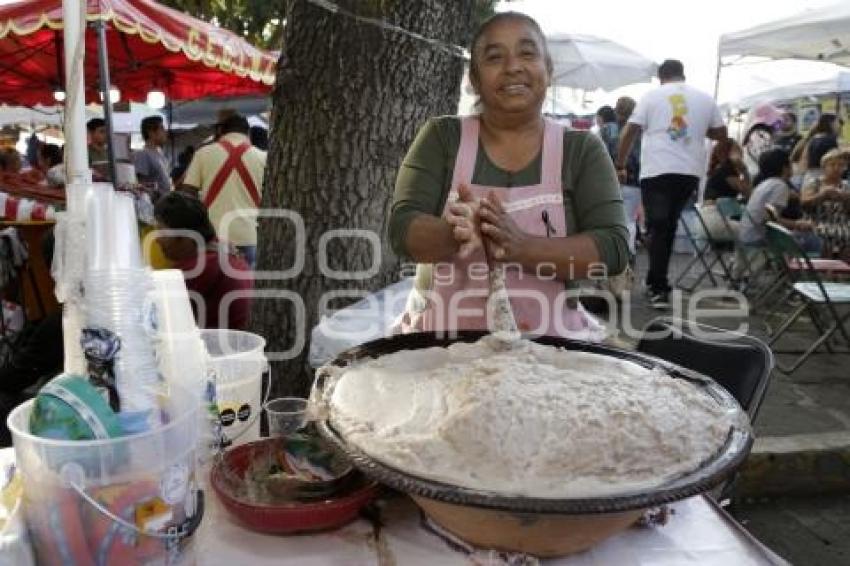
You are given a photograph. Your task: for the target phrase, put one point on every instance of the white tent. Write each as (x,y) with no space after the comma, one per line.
(838,83)
(587,62)
(821,34)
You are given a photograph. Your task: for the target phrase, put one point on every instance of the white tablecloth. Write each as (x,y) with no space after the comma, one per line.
(698,533)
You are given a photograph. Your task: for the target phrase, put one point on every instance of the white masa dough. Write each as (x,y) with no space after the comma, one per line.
(530,420)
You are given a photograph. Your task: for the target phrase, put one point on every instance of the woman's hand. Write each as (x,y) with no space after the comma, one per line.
(504,239)
(832,193)
(463,217)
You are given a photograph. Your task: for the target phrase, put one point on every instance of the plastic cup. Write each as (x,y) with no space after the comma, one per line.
(126,244)
(286,415)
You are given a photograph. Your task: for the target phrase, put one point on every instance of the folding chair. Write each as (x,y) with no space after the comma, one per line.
(760,279)
(740,363)
(709,251)
(821,299)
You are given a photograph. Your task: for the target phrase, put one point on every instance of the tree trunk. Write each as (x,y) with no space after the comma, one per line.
(349,100)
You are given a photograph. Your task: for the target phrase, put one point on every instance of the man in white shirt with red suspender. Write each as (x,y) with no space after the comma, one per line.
(228,174)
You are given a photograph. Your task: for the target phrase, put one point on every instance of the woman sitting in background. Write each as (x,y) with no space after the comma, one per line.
(727,178)
(811,149)
(219,279)
(830,184)
(826,202)
(772,193)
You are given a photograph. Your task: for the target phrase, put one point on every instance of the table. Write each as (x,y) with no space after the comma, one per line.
(699,532)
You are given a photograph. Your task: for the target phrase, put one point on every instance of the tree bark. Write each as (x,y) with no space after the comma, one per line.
(349,100)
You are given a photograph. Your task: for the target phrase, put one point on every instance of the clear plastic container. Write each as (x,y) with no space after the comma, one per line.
(128,500)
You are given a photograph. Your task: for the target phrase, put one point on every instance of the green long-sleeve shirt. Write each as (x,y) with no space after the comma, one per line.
(592,200)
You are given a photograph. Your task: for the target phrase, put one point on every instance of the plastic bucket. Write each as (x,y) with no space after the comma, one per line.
(128,500)
(236,363)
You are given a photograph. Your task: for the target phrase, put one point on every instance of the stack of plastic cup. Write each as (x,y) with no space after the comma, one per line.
(181,352)
(116,287)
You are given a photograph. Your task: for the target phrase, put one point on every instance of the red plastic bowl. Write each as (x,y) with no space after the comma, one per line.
(288,518)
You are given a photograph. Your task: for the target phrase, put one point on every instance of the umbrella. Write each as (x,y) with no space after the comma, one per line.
(587,62)
(150,47)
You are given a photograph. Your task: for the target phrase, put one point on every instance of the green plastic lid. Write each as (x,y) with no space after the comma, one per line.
(71,408)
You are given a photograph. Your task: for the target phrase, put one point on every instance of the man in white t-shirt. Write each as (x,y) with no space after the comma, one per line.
(674,121)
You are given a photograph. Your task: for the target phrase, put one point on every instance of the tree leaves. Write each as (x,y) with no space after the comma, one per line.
(261,21)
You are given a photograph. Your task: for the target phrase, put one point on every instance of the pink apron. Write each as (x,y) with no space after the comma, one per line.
(459,290)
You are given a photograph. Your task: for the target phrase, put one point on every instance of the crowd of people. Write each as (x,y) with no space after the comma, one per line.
(800,180)
(191,205)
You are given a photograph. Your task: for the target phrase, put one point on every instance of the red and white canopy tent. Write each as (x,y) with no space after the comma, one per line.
(150,48)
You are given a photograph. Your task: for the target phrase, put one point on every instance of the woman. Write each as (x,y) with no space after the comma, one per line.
(214,274)
(507,186)
(826,202)
(772,193)
(727,178)
(830,185)
(809,150)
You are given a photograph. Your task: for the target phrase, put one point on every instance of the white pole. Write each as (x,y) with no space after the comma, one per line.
(76,143)
(71,224)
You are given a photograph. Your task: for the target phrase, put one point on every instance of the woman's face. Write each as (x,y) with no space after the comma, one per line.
(735,154)
(834,168)
(512,72)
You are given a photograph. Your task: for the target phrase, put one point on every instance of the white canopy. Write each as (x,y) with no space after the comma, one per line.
(840,82)
(587,62)
(821,34)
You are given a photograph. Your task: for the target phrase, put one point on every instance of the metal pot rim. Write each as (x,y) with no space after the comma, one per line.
(708,475)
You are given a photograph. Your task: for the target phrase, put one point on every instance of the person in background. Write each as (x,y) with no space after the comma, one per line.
(631,184)
(183,161)
(771,194)
(228,177)
(727,178)
(49,155)
(817,142)
(609,130)
(675,120)
(10,161)
(98,151)
(507,186)
(151,164)
(826,202)
(223,281)
(260,137)
(47,166)
(35,354)
(830,185)
(787,137)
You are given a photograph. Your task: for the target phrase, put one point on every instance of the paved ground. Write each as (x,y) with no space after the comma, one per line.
(812,531)
(815,399)
(802,448)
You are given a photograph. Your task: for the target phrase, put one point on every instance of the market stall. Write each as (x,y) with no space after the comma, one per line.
(145,448)
(144,52)
(151,48)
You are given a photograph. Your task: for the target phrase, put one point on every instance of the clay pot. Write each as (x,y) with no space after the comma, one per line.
(537,534)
